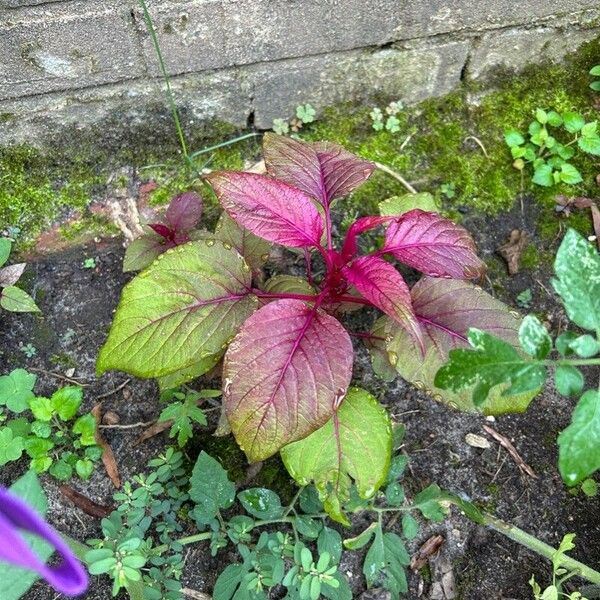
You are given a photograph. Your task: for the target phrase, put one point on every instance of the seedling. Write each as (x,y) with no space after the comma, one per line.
(13,298)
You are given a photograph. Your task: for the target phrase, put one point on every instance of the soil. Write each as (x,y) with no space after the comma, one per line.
(78,305)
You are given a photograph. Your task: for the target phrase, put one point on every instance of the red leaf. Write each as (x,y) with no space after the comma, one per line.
(162,230)
(433,245)
(381,284)
(284,375)
(269,208)
(184,211)
(360,226)
(325,171)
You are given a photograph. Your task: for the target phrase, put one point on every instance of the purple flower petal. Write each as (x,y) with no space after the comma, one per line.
(68,577)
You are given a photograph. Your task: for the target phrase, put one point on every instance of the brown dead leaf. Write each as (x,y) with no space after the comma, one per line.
(153,430)
(427,550)
(513,249)
(108,456)
(88,506)
(596,220)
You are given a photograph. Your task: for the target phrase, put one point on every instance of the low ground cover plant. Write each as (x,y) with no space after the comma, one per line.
(551,144)
(47,430)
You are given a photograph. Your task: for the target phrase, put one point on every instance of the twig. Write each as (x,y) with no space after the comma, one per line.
(129,426)
(117,389)
(59,376)
(506,443)
(479,143)
(396,176)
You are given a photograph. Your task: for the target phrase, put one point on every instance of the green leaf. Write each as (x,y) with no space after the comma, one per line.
(66,401)
(595,85)
(573,122)
(428,502)
(15,299)
(590,488)
(355,444)
(543,176)
(595,71)
(84,468)
(385,563)
(579,443)
(210,487)
(491,362)
(16,389)
(589,130)
(308,527)
(410,527)
(577,267)
(15,582)
(85,427)
(377,347)
(563,341)
(569,174)
(183,414)
(513,138)
(38,447)
(11,447)
(568,380)
(228,583)
(362,539)
(330,541)
(41,408)
(542,116)
(590,144)
(176,378)
(554,119)
(5,247)
(254,249)
(185,307)
(398,205)
(534,338)
(261,503)
(61,470)
(585,346)
(288,284)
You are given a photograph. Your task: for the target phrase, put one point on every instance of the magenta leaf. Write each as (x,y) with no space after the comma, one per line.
(162,230)
(325,171)
(184,211)
(284,375)
(271,209)
(381,284)
(433,245)
(360,226)
(446,309)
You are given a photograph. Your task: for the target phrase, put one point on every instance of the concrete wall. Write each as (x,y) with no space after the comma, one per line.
(76,61)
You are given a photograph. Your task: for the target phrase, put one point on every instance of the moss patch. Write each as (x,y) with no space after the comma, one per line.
(456,139)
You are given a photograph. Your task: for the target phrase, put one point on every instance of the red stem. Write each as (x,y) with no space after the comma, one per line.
(262,294)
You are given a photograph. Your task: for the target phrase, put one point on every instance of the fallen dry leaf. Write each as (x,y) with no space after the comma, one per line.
(108,456)
(153,430)
(428,549)
(88,506)
(513,249)
(596,220)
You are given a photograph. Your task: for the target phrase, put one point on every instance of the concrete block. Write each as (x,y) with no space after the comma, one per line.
(407,75)
(211,34)
(420,19)
(131,110)
(515,49)
(60,48)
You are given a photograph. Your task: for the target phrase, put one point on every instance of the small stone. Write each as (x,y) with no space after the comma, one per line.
(477,441)
(70,372)
(111,418)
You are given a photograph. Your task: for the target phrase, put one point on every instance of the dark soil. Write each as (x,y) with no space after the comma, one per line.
(78,305)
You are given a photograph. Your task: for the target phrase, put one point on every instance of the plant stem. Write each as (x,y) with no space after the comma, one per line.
(545,550)
(224,144)
(574,362)
(169,91)
(307,297)
(396,176)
